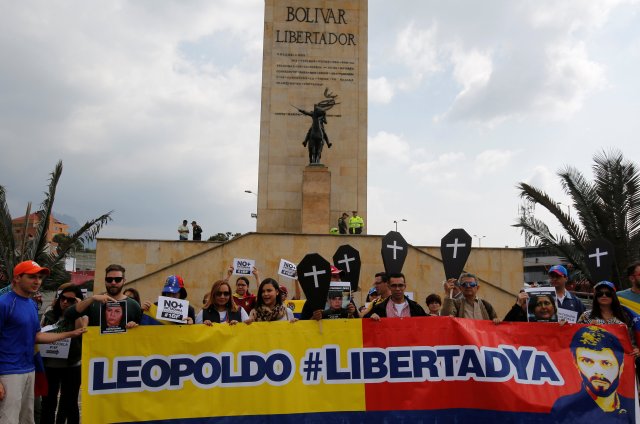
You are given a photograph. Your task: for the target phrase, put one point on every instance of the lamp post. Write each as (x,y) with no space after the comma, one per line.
(253,215)
(479,239)
(396,222)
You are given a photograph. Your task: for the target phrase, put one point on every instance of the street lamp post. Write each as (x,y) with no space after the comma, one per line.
(396,222)
(479,239)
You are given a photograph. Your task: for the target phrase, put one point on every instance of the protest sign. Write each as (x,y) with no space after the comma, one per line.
(59,349)
(542,305)
(394,252)
(172,309)
(243,266)
(287,269)
(113,317)
(600,257)
(567,315)
(314,274)
(339,287)
(347,260)
(455,248)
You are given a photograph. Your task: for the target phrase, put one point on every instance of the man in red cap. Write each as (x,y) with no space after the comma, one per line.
(19,332)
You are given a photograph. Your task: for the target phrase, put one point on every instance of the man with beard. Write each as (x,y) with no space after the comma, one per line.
(114,282)
(599,358)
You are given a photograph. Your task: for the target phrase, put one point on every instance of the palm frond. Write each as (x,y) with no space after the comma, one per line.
(7,243)
(39,248)
(87,232)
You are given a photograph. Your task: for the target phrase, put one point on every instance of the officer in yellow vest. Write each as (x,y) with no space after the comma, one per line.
(356,224)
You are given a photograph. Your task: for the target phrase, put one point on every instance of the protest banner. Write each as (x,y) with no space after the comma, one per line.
(287,269)
(436,369)
(243,266)
(172,309)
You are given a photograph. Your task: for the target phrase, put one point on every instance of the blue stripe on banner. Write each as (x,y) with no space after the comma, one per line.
(453,416)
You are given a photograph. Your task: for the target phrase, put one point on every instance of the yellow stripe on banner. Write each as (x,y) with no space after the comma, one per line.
(191,401)
(634,306)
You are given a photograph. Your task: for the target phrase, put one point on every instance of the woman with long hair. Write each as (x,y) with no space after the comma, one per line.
(606,309)
(63,374)
(220,307)
(269,305)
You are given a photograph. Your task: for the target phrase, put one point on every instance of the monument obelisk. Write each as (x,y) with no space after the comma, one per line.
(313,51)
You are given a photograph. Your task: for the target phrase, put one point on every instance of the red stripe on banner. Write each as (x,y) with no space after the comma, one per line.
(445,333)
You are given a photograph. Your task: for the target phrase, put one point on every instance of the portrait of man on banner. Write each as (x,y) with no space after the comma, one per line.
(598,357)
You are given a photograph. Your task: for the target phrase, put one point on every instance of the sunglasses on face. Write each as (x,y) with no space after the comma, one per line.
(67,299)
(473,284)
(112,279)
(223,294)
(604,294)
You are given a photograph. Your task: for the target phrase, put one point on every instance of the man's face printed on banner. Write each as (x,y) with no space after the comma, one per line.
(599,370)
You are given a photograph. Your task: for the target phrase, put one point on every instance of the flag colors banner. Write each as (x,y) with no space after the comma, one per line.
(429,369)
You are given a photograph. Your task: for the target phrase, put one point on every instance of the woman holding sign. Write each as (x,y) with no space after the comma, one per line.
(220,308)
(62,367)
(269,305)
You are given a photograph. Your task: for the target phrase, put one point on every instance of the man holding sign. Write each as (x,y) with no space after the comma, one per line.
(569,306)
(470,306)
(169,306)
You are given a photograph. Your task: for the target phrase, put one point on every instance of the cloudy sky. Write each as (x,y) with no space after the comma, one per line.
(154,108)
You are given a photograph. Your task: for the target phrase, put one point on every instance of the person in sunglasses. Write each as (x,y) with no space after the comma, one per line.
(114,282)
(606,308)
(220,307)
(470,305)
(63,375)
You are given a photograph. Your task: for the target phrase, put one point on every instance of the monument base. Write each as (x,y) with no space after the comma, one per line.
(316,199)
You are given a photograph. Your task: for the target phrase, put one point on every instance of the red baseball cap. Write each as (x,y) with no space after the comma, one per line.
(29,267)
(335,270)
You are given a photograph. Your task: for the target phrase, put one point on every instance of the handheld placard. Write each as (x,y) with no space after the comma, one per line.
(455,248)
(314,274)
(347,260)
(600,258)
(394,252)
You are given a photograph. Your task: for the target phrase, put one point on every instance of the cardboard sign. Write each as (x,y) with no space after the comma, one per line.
(347,260)
(172,309)
(455,248)
(59,349)
(314,274)
(542,305)
(113,317)
(600,258)
(567,315)
(287,269)
(394,252)
(243,266)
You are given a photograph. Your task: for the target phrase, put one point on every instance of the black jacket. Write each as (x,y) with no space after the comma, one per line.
(415,310)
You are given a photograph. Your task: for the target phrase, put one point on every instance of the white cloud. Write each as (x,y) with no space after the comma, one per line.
(491,161)
(389,147)
(380,90)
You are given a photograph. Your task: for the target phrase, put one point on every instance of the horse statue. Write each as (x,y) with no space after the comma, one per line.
(317,135)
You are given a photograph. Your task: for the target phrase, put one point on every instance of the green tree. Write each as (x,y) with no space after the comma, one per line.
(224,236)
(608,207)
(37,248)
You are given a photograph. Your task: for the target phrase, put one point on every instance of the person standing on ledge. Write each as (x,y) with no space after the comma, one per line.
(183,231)
(197,231)
(342,223)
(356,224)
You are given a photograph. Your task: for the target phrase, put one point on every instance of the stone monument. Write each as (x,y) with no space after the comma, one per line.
(314,65)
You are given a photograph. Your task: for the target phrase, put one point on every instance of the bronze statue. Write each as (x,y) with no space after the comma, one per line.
(317,136)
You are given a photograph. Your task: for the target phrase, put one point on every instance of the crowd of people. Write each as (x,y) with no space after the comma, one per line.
(232,302)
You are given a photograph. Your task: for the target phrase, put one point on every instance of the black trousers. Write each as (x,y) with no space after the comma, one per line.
(67,382)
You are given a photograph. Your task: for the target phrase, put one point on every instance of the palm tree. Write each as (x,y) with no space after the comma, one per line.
(37,248)
(608,208)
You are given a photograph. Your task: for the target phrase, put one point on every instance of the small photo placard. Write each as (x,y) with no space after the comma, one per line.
(113,317)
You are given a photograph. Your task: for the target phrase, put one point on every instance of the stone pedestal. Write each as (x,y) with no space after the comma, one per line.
(316,200)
